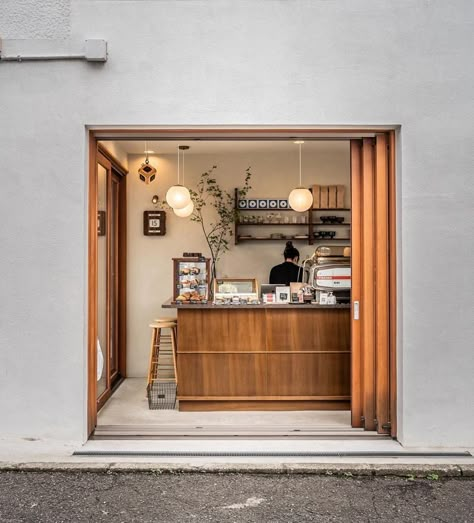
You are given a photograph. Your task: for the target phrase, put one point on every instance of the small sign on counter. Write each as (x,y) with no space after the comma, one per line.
(282,294)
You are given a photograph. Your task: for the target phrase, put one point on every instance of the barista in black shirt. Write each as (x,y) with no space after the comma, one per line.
(288,271)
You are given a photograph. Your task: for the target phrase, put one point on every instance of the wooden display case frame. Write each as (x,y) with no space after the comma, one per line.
(176,262)
(255,286)
(254,294)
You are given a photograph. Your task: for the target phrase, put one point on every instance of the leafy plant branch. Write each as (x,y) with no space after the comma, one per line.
(217,229)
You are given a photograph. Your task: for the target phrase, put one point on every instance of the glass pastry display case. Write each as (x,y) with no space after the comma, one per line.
(191,280)
(236,291)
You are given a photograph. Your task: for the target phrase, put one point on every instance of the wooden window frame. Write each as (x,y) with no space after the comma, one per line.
(285,133)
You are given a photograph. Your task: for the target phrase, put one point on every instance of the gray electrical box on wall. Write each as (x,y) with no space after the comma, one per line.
(96,50)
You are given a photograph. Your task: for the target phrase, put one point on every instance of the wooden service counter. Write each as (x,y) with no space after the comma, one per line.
(263,357)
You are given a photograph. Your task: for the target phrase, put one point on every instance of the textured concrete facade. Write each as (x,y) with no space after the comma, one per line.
(237,63)
(45,19)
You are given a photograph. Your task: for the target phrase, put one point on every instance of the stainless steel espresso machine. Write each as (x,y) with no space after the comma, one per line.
(328,270)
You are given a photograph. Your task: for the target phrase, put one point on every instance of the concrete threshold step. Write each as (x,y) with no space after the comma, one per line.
(269,449)
(205,431)
(232,428)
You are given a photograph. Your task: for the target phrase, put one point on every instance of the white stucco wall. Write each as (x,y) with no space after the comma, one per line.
(43,19)
(238,62)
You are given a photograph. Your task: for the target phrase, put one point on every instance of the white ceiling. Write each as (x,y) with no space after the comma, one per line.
(228,146)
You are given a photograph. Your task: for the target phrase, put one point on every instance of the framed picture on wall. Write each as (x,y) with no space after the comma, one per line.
(154,223)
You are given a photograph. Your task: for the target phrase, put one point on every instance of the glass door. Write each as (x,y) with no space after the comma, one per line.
(109,222)
(103,174)
(113,293)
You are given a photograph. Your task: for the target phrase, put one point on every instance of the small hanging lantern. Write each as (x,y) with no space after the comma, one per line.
(147,172)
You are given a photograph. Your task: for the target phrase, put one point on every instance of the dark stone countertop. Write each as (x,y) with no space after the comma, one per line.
(170,305)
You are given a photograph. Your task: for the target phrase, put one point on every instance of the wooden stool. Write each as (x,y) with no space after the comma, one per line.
(165,320)
(161,366)
(166,337)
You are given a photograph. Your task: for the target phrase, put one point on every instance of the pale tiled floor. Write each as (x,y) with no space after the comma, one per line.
(129,406)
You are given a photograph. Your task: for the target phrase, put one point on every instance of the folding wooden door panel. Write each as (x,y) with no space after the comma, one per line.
(356,270)
(371,366)
(367,304)
(392,266)
(382,363)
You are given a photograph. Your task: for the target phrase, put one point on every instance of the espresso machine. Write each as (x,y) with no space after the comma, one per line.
(328,270)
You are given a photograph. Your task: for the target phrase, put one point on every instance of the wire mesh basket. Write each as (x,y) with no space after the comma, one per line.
(161,395)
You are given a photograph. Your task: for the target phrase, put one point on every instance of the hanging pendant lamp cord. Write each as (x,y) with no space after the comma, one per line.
(178,164)
(146,152)
(300,163)
(182,177)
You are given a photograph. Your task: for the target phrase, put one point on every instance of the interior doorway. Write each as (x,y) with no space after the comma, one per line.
(381,355)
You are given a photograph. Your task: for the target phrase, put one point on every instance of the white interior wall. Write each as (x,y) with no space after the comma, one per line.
(149,265)
(116,149)
(237,63)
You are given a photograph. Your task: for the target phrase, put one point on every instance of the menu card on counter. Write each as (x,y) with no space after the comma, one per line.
(282,294)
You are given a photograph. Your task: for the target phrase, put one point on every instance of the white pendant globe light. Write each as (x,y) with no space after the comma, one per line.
(178,196)
(185,211)
(300,198)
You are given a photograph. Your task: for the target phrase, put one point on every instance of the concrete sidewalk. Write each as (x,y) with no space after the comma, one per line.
(26,454)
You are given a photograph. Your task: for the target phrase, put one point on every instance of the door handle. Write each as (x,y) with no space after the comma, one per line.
(356,310)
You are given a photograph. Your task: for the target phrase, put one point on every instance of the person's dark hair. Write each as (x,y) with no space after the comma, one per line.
(291,251)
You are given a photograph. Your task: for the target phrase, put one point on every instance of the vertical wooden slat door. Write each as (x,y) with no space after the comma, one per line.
(382,363)
(356,268)
(392,261)
(367,304)
(371,367)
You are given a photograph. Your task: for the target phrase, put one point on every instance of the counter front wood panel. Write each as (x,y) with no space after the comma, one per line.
(222,330)
(228,375)
(239,359)
(308,330)
(308,374)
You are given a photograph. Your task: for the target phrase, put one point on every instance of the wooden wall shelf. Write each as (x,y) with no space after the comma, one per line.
(331,209)
(332,224)
(240,239)
(273,224)
(310,225)
(294,224)
(293,239)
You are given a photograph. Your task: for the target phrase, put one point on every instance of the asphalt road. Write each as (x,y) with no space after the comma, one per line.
(150,497)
